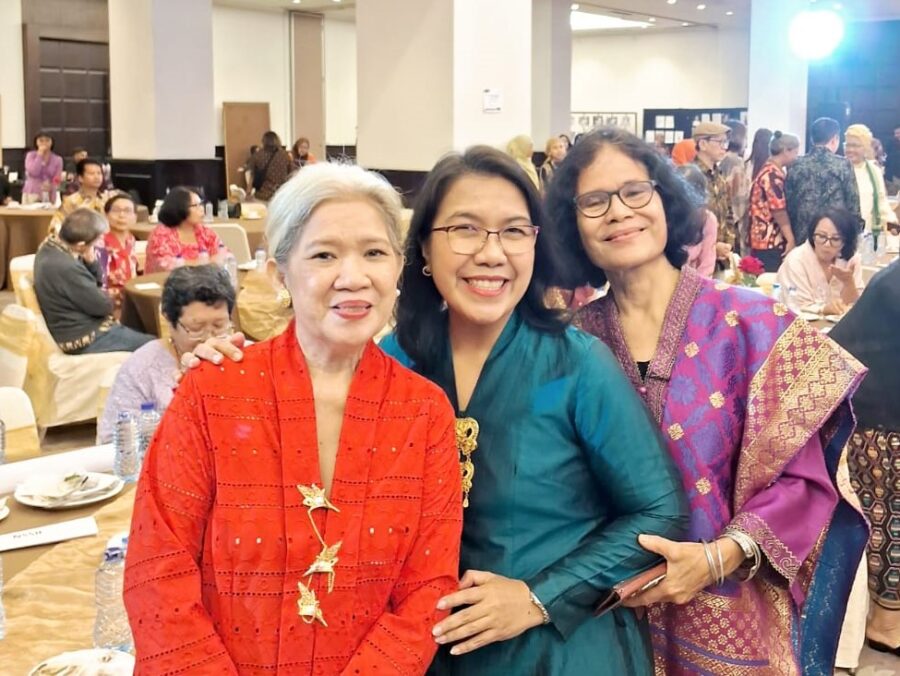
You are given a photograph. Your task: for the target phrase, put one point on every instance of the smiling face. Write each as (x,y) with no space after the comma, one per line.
(854,149)
(482,288)
(342,276)
(623,238)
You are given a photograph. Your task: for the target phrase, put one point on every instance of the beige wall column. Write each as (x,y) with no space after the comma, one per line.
(551,75)
(778,78)
(161,79)
(438,75)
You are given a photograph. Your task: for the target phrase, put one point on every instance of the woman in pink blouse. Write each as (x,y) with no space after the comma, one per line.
(180,232)
(43,170)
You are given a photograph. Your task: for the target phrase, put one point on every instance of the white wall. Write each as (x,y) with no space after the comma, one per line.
(131,106)
(693,68)
(492,50)
(251,62)
(12,83)
(340,82)
(405,75)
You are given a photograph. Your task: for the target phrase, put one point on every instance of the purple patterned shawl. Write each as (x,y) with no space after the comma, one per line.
(752,402)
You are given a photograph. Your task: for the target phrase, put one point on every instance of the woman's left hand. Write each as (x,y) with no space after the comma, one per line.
(498,608)
(687,571)
(844,276)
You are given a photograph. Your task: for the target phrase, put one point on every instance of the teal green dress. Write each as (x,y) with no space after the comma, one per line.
(569,470)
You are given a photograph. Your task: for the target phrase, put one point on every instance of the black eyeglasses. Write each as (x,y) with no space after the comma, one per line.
(470,239)
(634,195)
(822,238)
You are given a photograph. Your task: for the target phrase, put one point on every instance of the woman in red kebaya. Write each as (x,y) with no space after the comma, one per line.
(299,512)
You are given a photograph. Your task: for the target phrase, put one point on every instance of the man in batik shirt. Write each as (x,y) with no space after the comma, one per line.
(820,180)
(711,139)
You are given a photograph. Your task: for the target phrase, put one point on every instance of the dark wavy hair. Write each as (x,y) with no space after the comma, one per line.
(421,321)
(176,206)
(847,224)
(681,204)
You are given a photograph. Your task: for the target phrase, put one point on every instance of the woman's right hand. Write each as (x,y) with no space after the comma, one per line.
(215,350)
(835,307)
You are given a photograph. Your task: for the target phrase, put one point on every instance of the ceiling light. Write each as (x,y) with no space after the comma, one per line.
(729,13)
(671,2)
(685,24)
(701,7)
(575,6)
(585,21)
(815,34)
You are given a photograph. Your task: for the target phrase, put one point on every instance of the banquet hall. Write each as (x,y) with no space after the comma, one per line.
(148,149)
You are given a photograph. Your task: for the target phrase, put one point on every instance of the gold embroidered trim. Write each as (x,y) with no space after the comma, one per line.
(779,554)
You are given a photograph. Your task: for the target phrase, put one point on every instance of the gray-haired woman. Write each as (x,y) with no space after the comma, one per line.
(301,510)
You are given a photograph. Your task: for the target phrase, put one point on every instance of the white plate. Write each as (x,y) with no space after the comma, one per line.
(834,319)
(32,501)
(4,512)
(91,662)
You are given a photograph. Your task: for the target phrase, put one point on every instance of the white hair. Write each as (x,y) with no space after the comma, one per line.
(314,184)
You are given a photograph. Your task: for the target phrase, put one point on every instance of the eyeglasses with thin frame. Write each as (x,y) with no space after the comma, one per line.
(633,194)
(204,334)
(467,240)
(716,140)
(822,238)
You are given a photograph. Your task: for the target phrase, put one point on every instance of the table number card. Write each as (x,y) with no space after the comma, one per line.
(44,535)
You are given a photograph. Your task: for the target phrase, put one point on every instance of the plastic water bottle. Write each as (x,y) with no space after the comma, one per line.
(2,442)
(179,262)
(868,249)
(881,242)
(127,444)
(111,630)
(203,257)
(223,209)
(260,258)
(231,268)
(148,421)
(790,299)
(2,612)
(208,213)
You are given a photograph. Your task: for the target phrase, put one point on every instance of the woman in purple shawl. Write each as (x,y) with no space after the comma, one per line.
(753,404)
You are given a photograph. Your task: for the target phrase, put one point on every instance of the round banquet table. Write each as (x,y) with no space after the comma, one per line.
(142,298)
(21,232)
(255,229)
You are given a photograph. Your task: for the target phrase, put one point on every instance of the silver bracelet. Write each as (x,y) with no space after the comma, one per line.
(710,562)
(721,563)
(751,551)
(545,616)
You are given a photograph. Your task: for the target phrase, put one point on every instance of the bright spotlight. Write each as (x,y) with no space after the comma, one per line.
(815,34)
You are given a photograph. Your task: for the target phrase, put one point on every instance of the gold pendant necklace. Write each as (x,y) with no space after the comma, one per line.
(466,443)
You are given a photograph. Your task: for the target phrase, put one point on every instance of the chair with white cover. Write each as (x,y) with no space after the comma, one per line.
(16,334)
(22,439)
(234,237)
(18,267)
(63,387)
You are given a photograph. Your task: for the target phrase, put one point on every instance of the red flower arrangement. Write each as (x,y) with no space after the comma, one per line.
(750,268)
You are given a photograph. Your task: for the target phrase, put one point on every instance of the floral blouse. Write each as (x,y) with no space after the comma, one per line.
(164,246)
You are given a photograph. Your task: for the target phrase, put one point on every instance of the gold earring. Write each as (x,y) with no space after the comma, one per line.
(284,297)
(426,270)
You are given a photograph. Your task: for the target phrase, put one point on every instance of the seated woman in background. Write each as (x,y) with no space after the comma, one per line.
(180,233)
(300,511)
(824,274)
(702,256)
(300,154)
(117,256)
(197,302)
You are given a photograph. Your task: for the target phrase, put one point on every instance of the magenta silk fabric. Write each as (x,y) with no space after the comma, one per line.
(746,396)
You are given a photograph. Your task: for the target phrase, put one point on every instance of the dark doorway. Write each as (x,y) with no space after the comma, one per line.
(74,95)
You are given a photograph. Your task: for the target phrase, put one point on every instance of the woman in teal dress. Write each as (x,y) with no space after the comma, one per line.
(562,466)
(566,467)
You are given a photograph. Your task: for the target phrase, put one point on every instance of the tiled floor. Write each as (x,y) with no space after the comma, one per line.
(872,663)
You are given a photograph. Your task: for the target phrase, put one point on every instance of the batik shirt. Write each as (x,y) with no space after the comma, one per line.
(719,202)
(819,181)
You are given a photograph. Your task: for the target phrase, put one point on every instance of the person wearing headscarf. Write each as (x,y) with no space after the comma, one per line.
(873,203)
(521,149)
